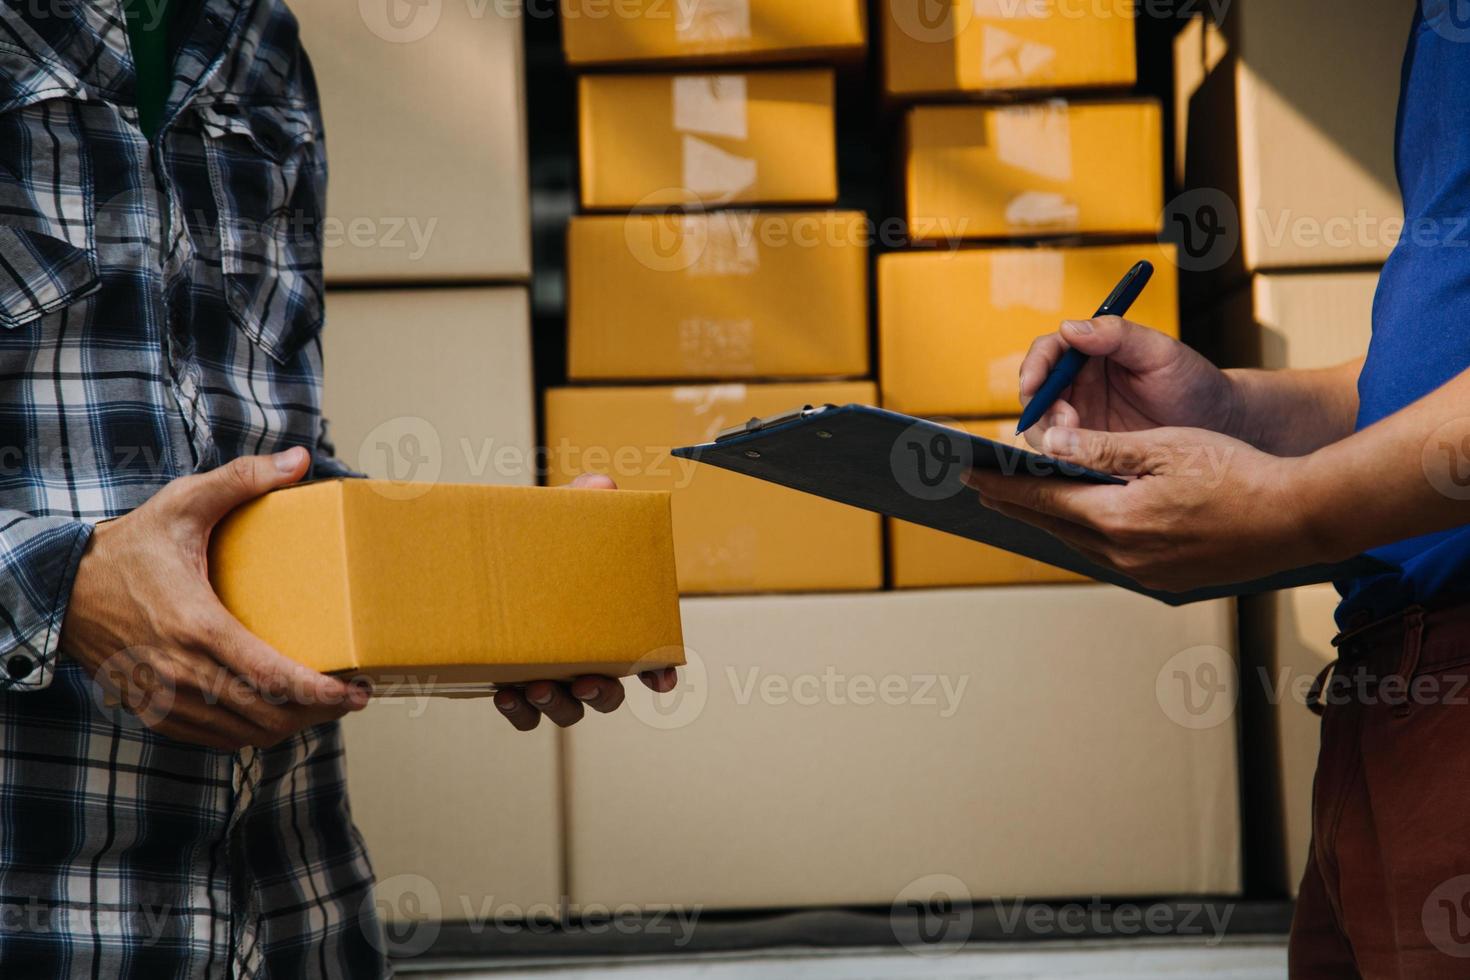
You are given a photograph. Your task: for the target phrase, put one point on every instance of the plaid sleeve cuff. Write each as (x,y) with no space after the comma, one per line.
(38,564)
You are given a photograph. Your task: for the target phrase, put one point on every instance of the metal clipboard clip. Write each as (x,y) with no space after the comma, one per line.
(770,422)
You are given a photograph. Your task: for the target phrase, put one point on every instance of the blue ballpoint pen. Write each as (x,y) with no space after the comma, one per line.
(1071,364)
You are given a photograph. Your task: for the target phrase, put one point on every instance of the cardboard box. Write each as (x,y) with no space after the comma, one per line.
(965,46)
(1292,320)
(432,384)
(1035,169)
(1320,79)
(725,295)
(921,557)
(731,533)
(461,813)
(954,326)
(603,32)
(453,588)
(1286,640)
(835,751)
(763,137)
(425,117)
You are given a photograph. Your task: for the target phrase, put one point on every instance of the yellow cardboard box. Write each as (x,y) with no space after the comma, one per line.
(731,533)
(729,294)
(953,327)
(871,749)
(1006,45)
(1285,129)
(427,116)
(1291,320)
(607,31)
(1043,168)
(764,137)
(921,557)
(453,588)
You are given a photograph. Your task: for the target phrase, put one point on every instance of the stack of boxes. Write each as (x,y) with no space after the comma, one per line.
(716,283)
(429,377)
(840,749)
(1019,203)
(1290,144)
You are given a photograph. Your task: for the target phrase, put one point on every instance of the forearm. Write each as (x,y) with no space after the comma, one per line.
(1293,413)
(1402,477)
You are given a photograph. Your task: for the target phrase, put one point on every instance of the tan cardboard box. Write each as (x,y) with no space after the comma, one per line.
(828,750)
(983,46)
(426,131)
(601,32)
(461,813)
(921,557)
(1292,320)
(432,384)
(761,137)
(1287,116)
(954,326)
(731,533)
(1035,169)
(1286,640)
(453,588)
(725,295)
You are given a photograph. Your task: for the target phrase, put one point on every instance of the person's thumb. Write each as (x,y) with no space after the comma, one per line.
(1119,453)
(208,497)
(1126,343)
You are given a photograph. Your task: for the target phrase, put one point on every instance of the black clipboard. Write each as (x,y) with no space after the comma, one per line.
(911,469)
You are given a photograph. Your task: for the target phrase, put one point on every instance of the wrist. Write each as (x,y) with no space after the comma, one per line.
(1325,529)
(1236,414)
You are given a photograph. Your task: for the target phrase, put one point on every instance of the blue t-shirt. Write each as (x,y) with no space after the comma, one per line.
(1421,314)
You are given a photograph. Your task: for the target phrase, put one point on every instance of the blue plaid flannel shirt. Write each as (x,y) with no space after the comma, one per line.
(160,312)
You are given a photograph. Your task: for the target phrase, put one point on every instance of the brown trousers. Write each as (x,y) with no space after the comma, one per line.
(1386,894)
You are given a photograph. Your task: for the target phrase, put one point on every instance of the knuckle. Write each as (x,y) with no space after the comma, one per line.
(240,472)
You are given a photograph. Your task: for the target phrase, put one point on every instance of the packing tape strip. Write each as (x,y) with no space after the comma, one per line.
(1006,57)
(1033,278)
(715,174)
(705,21)
(711,105)
(722,243)
(1036,138)
(725,345)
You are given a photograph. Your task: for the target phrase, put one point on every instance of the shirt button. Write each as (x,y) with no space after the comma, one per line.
(19,667)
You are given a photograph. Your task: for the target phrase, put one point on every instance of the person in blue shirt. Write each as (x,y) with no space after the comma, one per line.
(1240,474)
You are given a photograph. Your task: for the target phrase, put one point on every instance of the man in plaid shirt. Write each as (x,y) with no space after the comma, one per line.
(160,310)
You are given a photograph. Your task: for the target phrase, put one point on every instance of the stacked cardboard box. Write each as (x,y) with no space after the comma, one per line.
(807,760)
(707,310)
(1289,147)
(1000,196)
(430,380)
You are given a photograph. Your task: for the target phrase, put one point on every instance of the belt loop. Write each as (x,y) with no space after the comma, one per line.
(1409,662)
(1314,694)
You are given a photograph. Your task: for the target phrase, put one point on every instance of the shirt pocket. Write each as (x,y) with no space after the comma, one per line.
(268,177)
(48,256)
